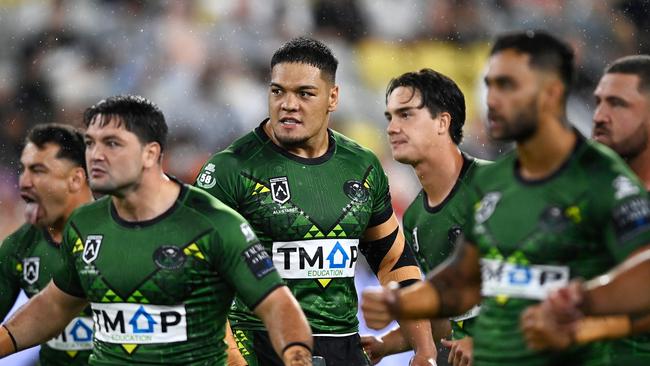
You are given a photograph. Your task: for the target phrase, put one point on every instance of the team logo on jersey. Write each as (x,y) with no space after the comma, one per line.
(248,232)
(280,189)
(624,187)
(356,191)
(453,233)
(205,179)
(169,257)
(486,207)
(30,269)
(91,248)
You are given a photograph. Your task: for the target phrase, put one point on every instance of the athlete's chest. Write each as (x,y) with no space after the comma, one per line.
(36,266)
(131,265)
(289,201)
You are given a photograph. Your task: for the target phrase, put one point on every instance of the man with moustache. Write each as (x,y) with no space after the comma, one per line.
(53,183)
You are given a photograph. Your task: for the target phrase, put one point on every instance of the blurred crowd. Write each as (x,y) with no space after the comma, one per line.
(206,64)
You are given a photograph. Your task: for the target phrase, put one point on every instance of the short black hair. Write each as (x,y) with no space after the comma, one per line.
(638,65)
(137,114)
(69,140)
(439,94)
(308,51)
(546,52)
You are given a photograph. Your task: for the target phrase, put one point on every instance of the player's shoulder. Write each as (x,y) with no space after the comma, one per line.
(346,144)
(606,170)
(92,211)
(209,208)
(240,151)
(22,235)
(472,165)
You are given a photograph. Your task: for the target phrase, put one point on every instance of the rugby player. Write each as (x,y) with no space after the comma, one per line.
(158,261)
(53,183)
(317,200)
(556,207)
(426,113)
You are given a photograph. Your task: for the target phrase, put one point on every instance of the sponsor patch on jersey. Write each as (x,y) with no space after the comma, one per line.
(169,257)
(519,281)
(320,258)
(486,207)
(631,217)
(258,260)
(280,189)
(206,179)
(624,187)
(91,248)
(139,323)
(31,266)
(355,190)
(77,336)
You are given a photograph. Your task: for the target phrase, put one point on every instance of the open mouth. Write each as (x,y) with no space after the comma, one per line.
(289,122)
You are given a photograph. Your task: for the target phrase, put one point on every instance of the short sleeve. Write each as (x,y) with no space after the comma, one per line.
(243,261)
(9,280)
(67,278)
(219,178)
(377,182)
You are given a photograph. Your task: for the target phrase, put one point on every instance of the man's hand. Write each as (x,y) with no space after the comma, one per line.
(461,351)
(543,329)
(297,356)
(375,348)
(376,305)
(564,302)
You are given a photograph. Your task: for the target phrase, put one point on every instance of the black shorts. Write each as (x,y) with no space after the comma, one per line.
(257,349)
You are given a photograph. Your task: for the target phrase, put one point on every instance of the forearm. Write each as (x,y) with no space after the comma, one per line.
(591,329)
(418,336)
(43,317)
(290,333)
(604,294)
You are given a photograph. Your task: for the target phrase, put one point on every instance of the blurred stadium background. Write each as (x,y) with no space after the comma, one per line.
(205,63)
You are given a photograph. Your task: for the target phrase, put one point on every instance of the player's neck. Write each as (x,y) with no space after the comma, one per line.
(314,147)
(640,165)
(438,176)
(546,151)
(153,196)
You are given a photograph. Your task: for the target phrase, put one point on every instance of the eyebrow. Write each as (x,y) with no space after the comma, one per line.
(301,87)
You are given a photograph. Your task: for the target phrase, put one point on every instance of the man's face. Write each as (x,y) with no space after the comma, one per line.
(300,101)
(44,184)
(622,114)
(114,157)
(412,131)
(512,92)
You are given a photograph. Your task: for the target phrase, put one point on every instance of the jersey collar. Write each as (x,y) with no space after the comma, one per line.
(331,148)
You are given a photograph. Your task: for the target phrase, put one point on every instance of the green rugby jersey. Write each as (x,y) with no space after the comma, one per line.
(432,231)
(533,236)
(28,259)
(160,289)
(309,213)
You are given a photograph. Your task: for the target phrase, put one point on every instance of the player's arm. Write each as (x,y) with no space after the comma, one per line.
(42,318)
(392,260)
(9,282)
(234,356)
(290,333)
(450,289)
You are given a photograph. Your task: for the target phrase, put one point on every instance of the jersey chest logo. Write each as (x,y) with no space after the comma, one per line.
(31,267)
(280,189)
(91,248)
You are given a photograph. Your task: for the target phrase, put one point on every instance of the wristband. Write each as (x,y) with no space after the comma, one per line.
(291,344)
(7,342)
(592,329)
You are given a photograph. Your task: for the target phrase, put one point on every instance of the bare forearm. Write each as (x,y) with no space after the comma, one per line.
(418,335)
(43,317)
(619,292)
(287,326)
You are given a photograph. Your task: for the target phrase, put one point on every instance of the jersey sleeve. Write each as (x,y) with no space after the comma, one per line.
(67,278)
(219,178)
(9,280)
(624,211)
(243,261)
(377,181)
